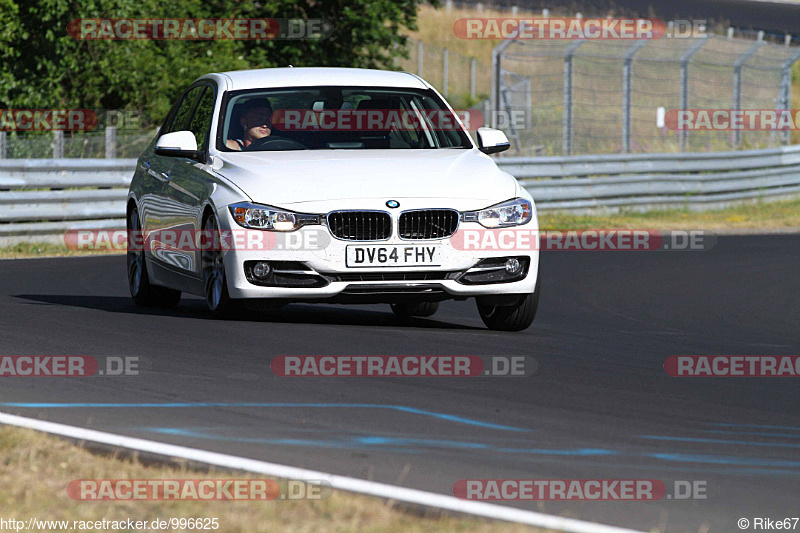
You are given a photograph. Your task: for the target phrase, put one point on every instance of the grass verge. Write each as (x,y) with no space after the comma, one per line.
(45,249)
(36,469)
(783,215)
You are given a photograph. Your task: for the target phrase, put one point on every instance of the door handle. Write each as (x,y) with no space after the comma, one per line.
(146,167)
(162,176)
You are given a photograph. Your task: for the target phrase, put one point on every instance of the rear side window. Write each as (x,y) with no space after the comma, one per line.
(201,120)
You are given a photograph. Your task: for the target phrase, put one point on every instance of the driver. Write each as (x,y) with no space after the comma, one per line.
(256,124)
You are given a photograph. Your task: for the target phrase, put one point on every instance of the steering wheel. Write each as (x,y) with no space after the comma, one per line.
(273,143)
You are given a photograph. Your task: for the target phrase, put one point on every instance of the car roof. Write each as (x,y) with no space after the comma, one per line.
(317,76)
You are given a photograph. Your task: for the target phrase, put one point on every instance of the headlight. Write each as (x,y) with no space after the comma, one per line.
(269,218)
(511,213)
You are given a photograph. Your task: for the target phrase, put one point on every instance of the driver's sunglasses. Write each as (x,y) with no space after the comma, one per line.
(262,121)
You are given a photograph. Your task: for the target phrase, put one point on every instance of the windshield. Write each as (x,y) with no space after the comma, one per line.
(331,118)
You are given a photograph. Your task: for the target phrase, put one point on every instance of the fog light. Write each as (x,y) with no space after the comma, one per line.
(513,266)
(262,270)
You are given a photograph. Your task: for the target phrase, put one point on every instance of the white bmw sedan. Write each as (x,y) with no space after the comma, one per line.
(332,185)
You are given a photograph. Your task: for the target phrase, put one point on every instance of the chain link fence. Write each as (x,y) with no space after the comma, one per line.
(109,143)
(593,97)
(463,80)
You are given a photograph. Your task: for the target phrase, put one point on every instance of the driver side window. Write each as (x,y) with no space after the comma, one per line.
(201,120)
(184,113)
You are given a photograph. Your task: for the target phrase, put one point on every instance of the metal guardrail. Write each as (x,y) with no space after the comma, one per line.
(51,196)
(646,181)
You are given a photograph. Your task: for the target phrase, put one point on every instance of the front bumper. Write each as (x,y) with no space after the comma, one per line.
(313,250)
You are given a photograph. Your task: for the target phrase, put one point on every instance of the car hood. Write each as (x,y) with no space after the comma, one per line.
(298,177)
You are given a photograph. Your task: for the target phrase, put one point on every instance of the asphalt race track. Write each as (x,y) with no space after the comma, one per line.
(600,406)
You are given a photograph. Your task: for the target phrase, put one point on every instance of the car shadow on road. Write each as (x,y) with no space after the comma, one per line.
(291,314)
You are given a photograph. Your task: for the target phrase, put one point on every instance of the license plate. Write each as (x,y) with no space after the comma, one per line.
(393,256)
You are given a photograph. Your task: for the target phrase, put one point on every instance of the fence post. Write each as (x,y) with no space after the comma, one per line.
(111,142)
(445,70)
(497,77)
(473,67)
(511,126)
(3,145)
(58,144)
(627,74)
(566,118)
(683,135)
(738,65)
(785,98)
(420,50)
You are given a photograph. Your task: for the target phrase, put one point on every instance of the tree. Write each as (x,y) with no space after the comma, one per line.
(44,67)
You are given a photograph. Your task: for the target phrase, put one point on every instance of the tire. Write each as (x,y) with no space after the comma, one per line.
(418,309)
(144,293)
(215,283)
(515,317)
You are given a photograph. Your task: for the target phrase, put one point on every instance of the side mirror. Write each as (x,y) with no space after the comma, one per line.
(179,144)
(492,141)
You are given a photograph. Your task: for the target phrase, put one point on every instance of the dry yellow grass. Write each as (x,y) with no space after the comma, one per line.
(36,468)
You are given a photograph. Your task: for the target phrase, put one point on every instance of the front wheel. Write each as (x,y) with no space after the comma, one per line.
(215,283)
(514,317)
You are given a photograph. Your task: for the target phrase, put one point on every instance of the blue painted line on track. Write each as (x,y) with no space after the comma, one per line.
(174,405)
(722,441)
(377,441)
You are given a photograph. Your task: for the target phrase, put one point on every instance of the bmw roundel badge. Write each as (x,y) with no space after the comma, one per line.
(392,204)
